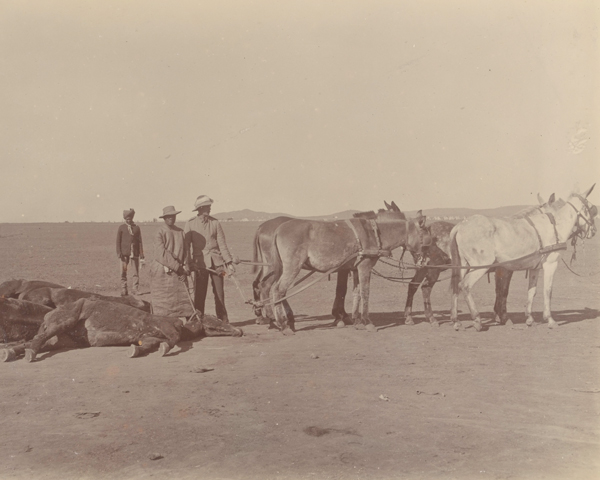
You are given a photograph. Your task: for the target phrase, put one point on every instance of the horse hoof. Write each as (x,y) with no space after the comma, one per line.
(360,326)
(552,324)
(238,332)
(409,321)
(163,349)
(134,351)
(340,324)
(7,355)
(371,328)
(529,322)
(477,325)
(508,322)
(288,331)
(458,326)
(29,355)
(434,323)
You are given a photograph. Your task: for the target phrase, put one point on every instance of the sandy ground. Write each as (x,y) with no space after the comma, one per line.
(411,402)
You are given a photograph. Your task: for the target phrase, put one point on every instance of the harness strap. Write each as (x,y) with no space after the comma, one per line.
(553,222)
(536,230)
(351,225)
(376,231)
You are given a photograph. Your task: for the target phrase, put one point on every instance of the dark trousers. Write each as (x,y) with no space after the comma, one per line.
(201,287)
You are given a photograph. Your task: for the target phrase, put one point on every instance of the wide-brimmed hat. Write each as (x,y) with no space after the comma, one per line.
(170,210)
(202,201)
(128,213)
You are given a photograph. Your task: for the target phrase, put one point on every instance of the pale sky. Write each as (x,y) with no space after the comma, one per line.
(297,106)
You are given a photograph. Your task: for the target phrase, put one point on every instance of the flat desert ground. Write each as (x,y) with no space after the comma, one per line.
(406,402)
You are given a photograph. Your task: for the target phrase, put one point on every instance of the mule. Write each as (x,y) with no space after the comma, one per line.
(55,297)
(326,247)
(518,244)
(97,323)
(261,286)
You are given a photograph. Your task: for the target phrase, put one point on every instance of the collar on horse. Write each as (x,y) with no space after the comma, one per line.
(369,252)
(548,248)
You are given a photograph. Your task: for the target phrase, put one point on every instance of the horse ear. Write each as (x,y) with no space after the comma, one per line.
(586,195)
(395,207)
(387,205)
(551,200)
(540,199)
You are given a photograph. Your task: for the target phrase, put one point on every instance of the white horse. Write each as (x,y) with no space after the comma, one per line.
(517,244)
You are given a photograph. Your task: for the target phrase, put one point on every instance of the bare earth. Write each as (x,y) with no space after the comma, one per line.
(410,402)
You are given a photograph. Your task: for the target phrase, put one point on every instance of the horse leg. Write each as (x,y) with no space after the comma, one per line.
(53,325)
(466,286)
(430,280)
(531,291)
(413,286)
(282,310)
(549,270)
(147,345)
(364,278)
(356,301)
(338,311)
(256,295)
(264,289)
(503,278)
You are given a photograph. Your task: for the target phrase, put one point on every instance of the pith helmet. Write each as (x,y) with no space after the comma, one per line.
(202,201)
(170,210)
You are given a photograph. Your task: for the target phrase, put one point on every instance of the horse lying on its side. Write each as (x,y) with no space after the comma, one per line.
(20,321)
(17,287)
(98,323)
(55,297)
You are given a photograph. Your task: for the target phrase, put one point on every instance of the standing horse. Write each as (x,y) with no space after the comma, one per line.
(438,256)
(262,247)
(518,244)
(334,246)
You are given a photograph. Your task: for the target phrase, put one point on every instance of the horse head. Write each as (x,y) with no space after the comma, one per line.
(585,226)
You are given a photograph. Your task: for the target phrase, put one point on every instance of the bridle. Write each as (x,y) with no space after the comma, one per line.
(589,230)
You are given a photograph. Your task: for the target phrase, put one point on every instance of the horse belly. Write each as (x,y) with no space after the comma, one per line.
(108,330)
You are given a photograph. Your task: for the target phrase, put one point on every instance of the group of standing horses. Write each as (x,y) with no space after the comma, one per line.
(529,240)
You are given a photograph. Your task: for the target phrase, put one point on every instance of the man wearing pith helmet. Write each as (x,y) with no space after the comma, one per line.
(205,242)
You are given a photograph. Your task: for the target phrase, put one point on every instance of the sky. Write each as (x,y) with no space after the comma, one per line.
(302,107)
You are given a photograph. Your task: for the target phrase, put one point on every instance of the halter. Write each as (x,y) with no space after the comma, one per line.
(592,211)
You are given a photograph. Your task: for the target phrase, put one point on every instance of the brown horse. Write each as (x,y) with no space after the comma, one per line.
(518,244)
(55,297)
(17,287)
(97,323)
(262,249)
(325,247)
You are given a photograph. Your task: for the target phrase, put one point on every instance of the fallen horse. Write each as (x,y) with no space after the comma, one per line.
(20,320)
(17,287)
(55,297)
(98,323)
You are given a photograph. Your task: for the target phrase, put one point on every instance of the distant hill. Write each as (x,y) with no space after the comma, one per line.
(432,214)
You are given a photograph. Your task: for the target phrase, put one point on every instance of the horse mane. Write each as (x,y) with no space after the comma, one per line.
(370,215)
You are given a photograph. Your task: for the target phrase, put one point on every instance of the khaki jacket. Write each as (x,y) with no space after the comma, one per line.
(205,242)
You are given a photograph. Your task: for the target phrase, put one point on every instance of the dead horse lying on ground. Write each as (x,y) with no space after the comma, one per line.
(55,297)
(97,323)
(21,320)
(16,287)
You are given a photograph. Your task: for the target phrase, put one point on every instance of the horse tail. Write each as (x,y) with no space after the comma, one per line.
(276,263)
(257,256)
(456,262)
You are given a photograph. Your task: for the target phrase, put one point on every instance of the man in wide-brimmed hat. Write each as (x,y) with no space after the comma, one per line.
(168,272)
(205,240)
(130,250)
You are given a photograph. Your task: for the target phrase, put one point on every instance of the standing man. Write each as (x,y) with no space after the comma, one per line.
(205,240)
(168,272)
(129,248)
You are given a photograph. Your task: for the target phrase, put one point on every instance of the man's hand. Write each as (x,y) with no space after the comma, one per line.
(235,259)
(230,268)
